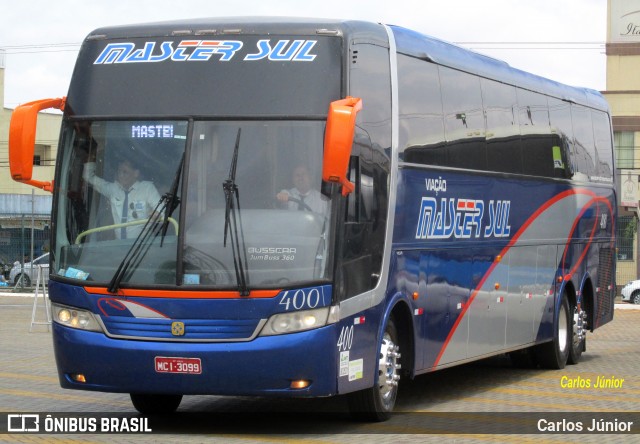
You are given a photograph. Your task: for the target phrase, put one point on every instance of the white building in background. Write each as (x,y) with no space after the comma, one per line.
(18,202)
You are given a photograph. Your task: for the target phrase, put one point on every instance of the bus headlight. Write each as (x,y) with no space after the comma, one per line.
(74,317)
(283,323)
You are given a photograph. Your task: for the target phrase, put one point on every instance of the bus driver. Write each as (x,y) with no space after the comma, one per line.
(302,197)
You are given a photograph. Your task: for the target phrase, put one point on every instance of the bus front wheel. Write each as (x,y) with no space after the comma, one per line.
(155,404)
(377,402)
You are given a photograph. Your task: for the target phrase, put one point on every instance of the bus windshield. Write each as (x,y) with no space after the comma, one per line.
(212,204)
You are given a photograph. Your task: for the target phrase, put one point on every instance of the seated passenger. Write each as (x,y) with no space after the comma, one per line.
(130,199)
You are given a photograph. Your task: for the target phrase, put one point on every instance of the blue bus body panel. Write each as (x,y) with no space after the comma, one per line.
(484,255)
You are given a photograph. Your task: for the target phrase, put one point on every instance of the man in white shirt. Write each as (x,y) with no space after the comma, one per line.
(130,199)
(302,197)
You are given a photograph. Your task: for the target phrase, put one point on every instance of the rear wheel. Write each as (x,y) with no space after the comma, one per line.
(554,354)
(377,402)
(578,335)
(155,404)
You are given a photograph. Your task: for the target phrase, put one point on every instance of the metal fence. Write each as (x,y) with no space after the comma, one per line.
(626,230)
(23,237)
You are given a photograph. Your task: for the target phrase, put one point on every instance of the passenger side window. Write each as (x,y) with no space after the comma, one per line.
(604,145)
(504,152)
(464,119)
(561,124)
(585,151)
(421,124)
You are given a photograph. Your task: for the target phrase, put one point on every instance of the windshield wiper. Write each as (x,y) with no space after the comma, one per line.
(138,250)
(172,200)
(231,219)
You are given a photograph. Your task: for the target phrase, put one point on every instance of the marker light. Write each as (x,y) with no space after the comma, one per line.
(78,377)
(74,318)
(283,323)
(300,384)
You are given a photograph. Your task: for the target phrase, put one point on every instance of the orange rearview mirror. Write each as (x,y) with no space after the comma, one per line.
(338,139)
(22,139)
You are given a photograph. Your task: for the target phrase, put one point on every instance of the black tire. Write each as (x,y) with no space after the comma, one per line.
(554,354)
(578,335)
(376,404)
(155,404)
(635,298)
(26,282)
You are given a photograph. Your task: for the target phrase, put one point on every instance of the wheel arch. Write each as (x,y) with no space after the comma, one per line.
(587,300)
(400,310)
(570,290)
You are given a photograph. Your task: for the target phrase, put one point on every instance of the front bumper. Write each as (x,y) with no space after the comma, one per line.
(263,366)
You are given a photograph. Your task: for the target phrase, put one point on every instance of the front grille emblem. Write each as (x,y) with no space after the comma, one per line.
(177,328)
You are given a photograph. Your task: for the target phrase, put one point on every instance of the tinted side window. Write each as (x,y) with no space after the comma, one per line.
(464,120)
(504,151)
(584,149)
(369,80)
(420,109)
(360,255)
(561,124)
(533,111)
(537,139)
(604,146)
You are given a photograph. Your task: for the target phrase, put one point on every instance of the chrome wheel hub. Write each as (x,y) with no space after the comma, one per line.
(579,325)
(388,368)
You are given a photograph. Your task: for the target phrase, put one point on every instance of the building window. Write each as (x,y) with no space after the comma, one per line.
(625,233)
(625,146)
(42,155)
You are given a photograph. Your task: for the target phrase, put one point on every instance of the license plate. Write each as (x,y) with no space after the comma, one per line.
(189,366)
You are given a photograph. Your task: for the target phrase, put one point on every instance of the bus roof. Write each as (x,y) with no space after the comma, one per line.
(408,42)
(243,25)
(417,45)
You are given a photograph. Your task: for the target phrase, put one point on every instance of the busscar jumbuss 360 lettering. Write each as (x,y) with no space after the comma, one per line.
(304,208)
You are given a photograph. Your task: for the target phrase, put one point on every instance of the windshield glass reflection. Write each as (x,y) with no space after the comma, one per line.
(119,177)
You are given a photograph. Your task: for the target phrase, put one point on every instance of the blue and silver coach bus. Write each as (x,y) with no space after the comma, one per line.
(316,207)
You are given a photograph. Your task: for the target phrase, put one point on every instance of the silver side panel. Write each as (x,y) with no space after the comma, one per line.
(503,313)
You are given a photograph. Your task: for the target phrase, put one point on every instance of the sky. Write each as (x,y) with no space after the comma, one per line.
(559,39)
